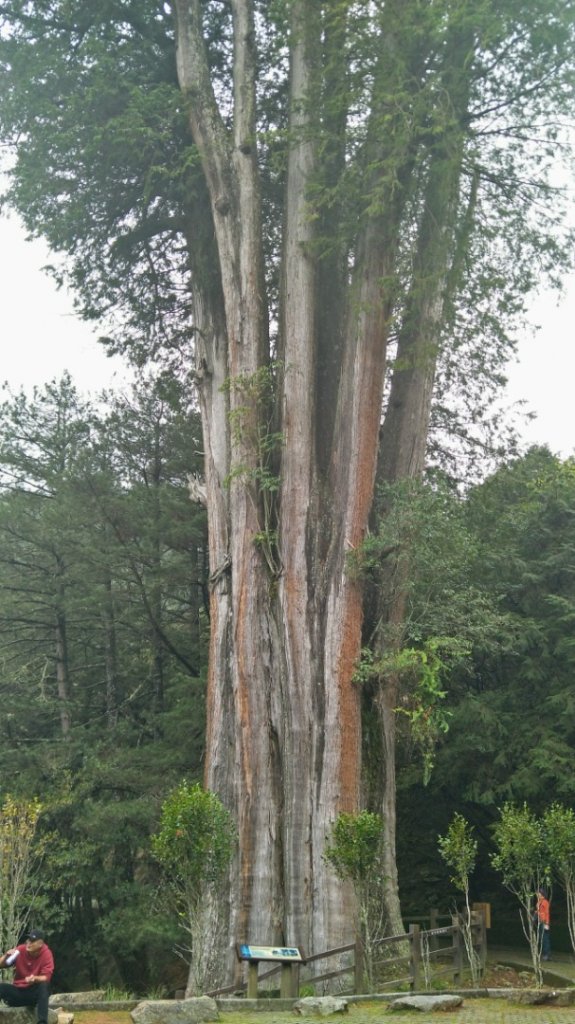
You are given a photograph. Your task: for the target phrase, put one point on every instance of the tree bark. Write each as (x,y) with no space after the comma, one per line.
(241,760)
(406,424)
(283,736)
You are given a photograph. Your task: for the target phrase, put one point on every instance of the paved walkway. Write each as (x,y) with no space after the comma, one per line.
(472,1011)
(561,967)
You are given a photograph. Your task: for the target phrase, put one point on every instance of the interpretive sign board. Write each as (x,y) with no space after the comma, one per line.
(288,959)
(281,954)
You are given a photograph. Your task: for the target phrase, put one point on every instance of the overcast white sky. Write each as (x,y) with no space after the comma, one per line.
(41,337)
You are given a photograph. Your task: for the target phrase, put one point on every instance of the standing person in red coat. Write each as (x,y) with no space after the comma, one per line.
(33,965)
(544,924)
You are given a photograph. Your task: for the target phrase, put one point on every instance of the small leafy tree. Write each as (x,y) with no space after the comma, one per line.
(458,847)
(194,846)
(559,829)
(355,851)
(522,859)
(20,854)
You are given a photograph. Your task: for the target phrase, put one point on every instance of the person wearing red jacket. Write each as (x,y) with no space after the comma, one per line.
(544,924)
(33,965)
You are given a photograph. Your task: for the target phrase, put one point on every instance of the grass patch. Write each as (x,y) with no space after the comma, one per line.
(473,1011)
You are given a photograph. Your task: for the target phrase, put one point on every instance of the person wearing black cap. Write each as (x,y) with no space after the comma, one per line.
(33,965)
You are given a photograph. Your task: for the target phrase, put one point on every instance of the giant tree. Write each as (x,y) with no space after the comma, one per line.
(276,193)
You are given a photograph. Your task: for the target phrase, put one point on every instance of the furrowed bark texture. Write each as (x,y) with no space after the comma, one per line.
(241,750)
(406,424)
(301,704)
(283,745)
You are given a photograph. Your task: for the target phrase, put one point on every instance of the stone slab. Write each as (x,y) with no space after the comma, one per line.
(23,1015)
(427,1004)
(95,995)
(175,1011)
(543,997)
(320,1006)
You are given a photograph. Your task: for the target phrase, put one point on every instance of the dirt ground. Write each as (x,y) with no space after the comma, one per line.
(102,1017)
(500,976)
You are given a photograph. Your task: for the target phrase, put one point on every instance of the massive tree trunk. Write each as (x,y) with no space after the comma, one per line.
(406,424)
(242,750)
(283,738)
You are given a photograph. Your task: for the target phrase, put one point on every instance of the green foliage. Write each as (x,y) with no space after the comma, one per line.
(21,853)
(559,828)
(522,858)
(521,854)
(194,845)
(421,672)
(355,851)
(105,170)
(458,847)
(102,646)
(195,841)
(511,728)
(424,527)
(355,845)
(113,994)
(521,671)
(427,718)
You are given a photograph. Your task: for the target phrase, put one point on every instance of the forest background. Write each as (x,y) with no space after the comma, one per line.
(106,589)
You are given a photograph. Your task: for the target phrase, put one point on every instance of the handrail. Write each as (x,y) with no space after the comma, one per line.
(413,937)
(330,952)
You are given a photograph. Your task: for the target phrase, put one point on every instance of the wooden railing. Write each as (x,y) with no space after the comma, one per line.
(414,959)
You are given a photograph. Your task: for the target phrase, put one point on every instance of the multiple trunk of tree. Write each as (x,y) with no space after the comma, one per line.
(284,728)
(405,426)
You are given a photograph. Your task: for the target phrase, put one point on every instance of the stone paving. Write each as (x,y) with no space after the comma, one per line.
(472,1011)
(560,967)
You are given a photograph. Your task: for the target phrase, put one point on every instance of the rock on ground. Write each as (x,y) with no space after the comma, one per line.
(171,1011)
(23,1015)
(427,1004)
(96,995)
(543,997)
(320,1006)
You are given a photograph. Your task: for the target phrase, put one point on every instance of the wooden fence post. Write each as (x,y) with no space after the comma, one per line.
(433,924)
(252,992)
(457,949)
(289,981)
(359,967)
(480,929)
(414,956)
